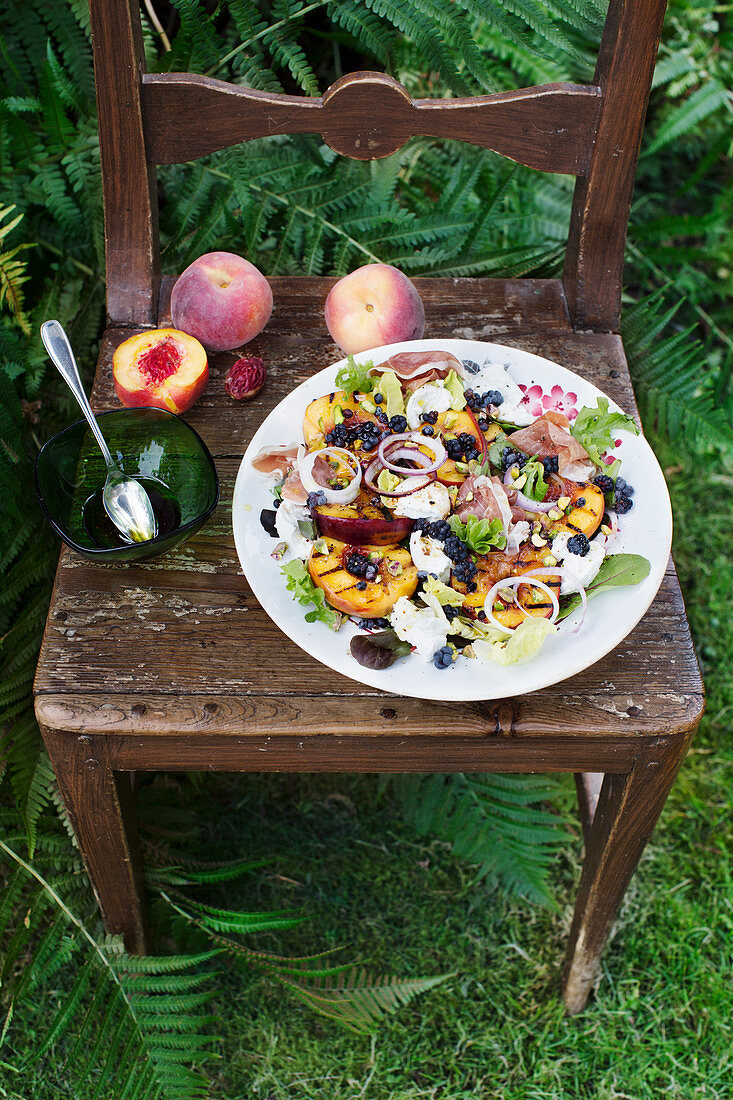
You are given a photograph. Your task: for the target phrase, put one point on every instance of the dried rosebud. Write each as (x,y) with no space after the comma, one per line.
(246,378)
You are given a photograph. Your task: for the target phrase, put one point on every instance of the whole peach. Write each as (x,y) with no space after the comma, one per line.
(374,305)
(222,300)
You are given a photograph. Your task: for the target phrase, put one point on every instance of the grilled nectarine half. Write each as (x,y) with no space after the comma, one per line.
(161,367)
(346,591)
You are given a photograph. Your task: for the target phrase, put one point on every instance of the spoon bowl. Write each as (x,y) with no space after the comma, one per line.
(125,500)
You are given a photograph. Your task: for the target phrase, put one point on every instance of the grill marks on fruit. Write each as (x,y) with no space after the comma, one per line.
(160,361)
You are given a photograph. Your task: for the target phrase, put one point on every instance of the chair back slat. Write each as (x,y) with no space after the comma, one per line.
(128,179)
(369,115)
(590,131)
(602,199)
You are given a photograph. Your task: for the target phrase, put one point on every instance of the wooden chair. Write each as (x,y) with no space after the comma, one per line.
(173,665)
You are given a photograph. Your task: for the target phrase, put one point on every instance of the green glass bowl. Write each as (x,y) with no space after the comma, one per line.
(169,457)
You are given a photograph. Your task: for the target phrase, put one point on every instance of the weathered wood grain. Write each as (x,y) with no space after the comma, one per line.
(367,115)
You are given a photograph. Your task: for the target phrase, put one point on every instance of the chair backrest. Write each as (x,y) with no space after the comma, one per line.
(590,131)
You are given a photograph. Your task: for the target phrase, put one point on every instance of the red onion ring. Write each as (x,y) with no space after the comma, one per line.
(333,496)
(525,502)
(409,485)
(391,448)
(515,582)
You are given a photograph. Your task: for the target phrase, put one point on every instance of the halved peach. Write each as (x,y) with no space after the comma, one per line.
(161,367)
(320,416)
(397,576)
(361,523)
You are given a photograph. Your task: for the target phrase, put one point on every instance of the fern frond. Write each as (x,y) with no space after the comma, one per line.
(491,821)
(356,999)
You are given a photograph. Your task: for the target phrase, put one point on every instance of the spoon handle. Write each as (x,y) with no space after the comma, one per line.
(58,347)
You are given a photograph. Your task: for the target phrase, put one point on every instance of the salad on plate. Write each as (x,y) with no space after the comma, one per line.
(447,510)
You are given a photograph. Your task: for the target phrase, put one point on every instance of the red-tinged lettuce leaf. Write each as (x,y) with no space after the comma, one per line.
(617,571)
(378,650)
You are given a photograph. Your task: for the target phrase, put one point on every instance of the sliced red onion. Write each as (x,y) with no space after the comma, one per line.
(409,485)
(390,448)
(515,582)
(527,503)
(333,496)
(584,605)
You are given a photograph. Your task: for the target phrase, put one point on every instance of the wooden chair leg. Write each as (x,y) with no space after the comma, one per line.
(101,809)
(627,811)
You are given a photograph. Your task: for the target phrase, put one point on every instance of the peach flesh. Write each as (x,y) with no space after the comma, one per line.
(162,368)
(221,299)
(374,305)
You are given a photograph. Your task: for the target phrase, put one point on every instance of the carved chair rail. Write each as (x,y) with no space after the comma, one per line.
(369,115)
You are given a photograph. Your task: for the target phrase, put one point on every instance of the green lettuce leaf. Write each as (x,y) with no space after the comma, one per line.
(354,377)
(616,571)
(594,429)
(298,581)
(480,535)
(535,487)
(522,644)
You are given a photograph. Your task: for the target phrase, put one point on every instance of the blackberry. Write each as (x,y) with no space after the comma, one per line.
(422,526)
(398,424)
(510,457)
(427,430)
(440,529)
(357,563)
(465,571)
(430,418)
(453,449)
(381,416)
(550,464)
(466,440)
(579,545)
(493,397)
(450,612)
(622,504)
(444,657)
(314,499)
(604,483)
(456,550)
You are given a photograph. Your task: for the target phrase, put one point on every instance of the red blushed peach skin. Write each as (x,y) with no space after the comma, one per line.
(374,305)
(221,299)
(161,367)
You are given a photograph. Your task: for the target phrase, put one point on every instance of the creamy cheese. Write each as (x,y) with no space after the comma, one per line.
(428,555)
(432,502)
(432,397)
(421,627)
(493,376)
(286,525)
(583,569)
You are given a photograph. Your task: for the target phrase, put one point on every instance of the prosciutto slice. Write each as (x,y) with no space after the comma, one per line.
(293,489)
(484,498)
(275,460)
(416,368)
(550,435)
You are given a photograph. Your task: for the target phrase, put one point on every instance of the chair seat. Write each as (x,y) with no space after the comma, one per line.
(179,646)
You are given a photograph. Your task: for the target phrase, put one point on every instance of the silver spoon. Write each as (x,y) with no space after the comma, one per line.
(125,500)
